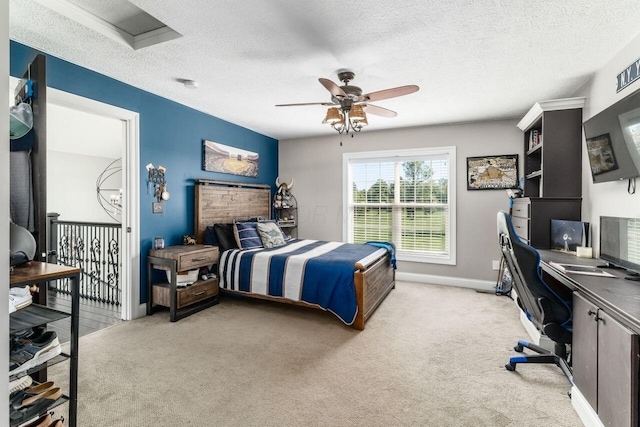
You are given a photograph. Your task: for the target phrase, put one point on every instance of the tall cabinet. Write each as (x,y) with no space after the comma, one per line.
(552,169)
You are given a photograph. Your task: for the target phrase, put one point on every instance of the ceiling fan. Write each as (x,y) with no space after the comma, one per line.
(348,106)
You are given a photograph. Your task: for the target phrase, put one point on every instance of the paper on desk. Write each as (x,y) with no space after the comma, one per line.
(581,269)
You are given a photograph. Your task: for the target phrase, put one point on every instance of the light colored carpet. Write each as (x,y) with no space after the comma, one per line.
(430,356)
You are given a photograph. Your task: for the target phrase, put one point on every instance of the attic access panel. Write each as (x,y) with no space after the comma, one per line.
(119,20)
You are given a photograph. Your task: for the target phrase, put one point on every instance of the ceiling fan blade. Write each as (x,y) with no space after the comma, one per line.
(305,103)
(379,111)
(390,93)
(332,87)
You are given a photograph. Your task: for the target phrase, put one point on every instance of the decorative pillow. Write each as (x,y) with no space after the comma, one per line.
(209,237)
(270,234)
(247,236)
(225,236)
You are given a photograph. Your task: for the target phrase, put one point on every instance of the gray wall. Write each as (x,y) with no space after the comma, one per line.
(316,166)
(4,207)
(607,198)
(71,192)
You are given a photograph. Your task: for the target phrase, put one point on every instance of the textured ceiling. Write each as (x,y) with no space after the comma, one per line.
(473,60)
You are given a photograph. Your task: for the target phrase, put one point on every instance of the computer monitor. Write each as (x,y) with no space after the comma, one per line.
(566,236)
(620,242)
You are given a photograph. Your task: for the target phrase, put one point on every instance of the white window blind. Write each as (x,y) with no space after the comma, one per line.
(404,197)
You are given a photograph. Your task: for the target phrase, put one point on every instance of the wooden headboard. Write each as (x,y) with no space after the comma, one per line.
(224,202)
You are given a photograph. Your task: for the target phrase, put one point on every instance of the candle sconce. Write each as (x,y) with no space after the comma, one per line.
(157,180)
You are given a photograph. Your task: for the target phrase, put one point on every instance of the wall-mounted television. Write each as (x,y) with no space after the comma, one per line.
(613,141)
(620,242)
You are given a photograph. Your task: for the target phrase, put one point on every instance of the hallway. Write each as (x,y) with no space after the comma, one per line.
(93,315)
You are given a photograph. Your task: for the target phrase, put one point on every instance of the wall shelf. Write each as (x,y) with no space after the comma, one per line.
(552,169)
(534,174)
(553,165)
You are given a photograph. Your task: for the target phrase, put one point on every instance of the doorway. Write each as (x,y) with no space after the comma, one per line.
(128,204)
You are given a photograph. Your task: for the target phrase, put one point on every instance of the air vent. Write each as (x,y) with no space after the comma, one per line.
(119,20)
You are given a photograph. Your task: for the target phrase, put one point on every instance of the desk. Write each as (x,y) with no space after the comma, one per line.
(619,296)
(40,273)
(605,348)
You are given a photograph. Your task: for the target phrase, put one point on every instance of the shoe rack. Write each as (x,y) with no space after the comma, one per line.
(34,315)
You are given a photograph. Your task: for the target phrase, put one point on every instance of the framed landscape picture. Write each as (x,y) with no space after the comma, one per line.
(492,172)
(226,159)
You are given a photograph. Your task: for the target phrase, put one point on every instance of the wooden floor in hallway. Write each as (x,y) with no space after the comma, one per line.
(93,315)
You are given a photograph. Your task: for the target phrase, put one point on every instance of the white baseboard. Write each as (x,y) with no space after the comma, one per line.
(482,285)
(141,312)
(587,415)
(537,337)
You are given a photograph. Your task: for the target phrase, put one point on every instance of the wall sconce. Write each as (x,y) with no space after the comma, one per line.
(157,179)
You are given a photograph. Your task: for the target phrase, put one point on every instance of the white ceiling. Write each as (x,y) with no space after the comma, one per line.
(473,59)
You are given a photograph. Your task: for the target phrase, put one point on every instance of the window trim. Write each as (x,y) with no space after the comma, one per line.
(347,194)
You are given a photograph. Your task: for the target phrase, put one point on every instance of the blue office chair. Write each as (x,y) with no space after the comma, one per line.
(544,308)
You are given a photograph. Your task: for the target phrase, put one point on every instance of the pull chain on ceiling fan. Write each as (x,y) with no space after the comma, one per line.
(348,106)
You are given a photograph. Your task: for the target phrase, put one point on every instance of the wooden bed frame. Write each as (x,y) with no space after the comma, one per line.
(224,202)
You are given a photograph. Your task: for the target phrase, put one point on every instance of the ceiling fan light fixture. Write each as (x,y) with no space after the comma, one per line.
(333,116)
(349,115)
(362,122)
(357,113)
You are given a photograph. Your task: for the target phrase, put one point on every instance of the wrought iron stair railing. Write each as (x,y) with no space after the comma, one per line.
(95,248)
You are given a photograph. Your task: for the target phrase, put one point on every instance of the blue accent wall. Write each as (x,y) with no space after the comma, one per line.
(171,135)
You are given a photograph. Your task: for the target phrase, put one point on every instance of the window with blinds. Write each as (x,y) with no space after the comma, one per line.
(405,197)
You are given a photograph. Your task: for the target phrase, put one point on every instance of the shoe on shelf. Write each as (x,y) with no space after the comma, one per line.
(20,383)
(43,421)
(20,401)
(28,413)
(28,396)
(29,334)
(39,388)
(19,298)
(57,423)
(30,353)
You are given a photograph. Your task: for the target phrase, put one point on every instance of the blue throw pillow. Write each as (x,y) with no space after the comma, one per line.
(247,235)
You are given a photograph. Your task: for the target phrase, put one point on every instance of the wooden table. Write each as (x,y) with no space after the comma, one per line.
(40,273)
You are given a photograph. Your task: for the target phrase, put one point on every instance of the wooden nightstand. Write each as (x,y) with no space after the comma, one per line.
(182,301)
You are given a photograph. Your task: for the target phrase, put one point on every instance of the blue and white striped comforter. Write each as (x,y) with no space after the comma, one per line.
(316,272)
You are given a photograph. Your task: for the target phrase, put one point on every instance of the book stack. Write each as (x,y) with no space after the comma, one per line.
(535,138)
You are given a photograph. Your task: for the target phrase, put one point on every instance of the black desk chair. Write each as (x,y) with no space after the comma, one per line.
(544,308)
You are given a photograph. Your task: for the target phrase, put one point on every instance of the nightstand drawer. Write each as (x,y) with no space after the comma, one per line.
(198,259)
(187,257)
(197,292)
(200,290)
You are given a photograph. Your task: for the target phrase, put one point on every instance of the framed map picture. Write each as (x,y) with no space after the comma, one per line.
(492,172)
(226,159)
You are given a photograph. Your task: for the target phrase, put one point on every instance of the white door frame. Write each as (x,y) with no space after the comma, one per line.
(131,308)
